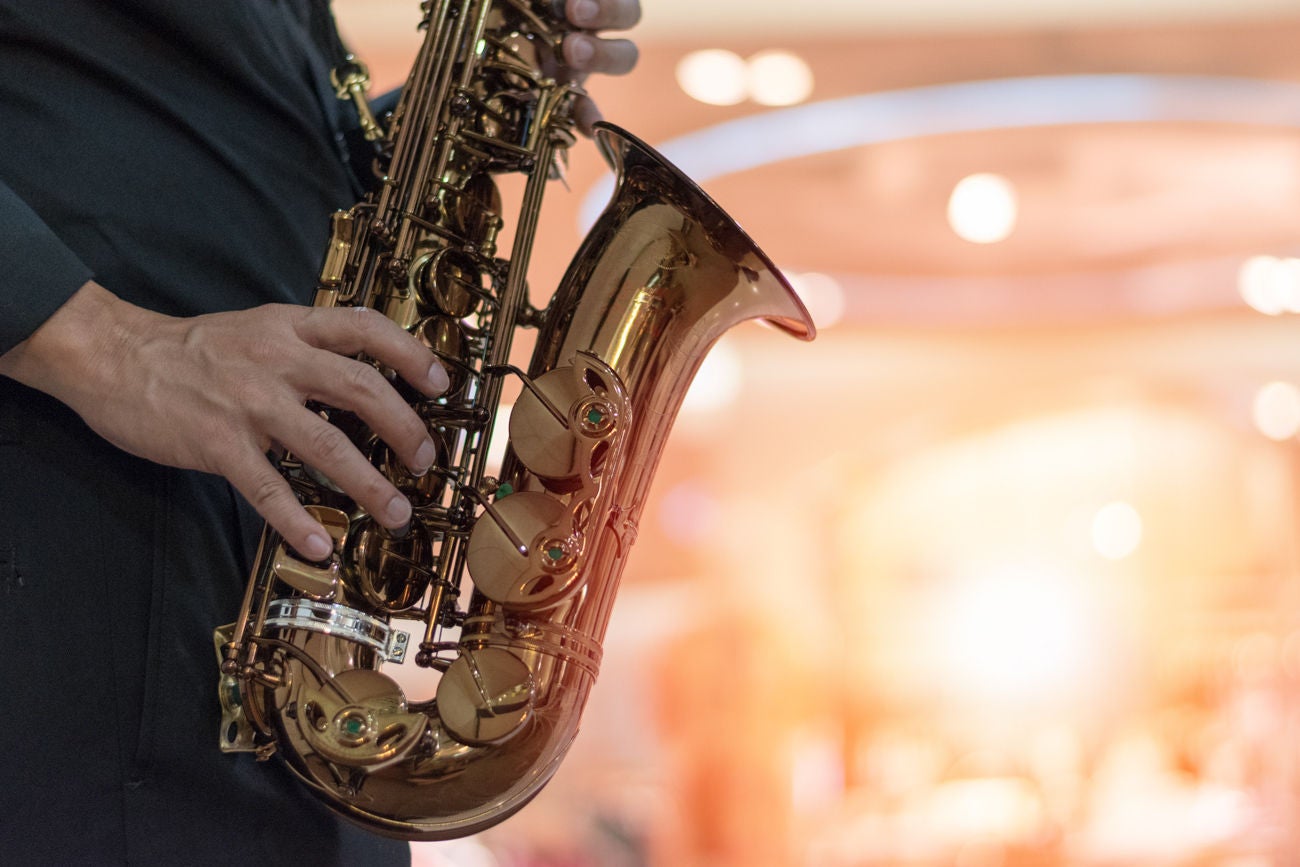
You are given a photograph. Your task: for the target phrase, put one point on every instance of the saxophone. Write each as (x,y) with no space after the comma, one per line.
(516,649)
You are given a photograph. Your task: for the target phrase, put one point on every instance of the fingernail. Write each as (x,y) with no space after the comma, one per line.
(585,11)
(317,547)
(424,456)
(438,379)
(398,510)
(580,51)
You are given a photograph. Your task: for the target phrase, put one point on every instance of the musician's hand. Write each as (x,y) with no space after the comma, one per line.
(585,52)
(217,392)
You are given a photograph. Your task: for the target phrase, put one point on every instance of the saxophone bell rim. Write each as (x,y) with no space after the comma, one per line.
(619,147)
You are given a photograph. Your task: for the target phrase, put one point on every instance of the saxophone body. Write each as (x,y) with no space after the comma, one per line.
(516,648)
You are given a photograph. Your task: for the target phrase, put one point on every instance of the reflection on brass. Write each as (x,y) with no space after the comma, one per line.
(350,82)
(398,303)
(446,337)
(451,282)
(391,572)
(419,490)
(505,586)
(476,212)
(342,228)
(485,697)
(237,734)
(314,580)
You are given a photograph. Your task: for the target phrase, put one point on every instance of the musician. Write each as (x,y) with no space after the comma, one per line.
(166,174)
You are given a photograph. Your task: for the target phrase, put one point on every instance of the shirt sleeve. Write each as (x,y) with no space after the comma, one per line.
(38,272)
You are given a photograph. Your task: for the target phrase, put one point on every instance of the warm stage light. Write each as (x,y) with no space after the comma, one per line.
(1006,809)
(1116,530)
(779,78)
(983,208)
(1013,634)
(1277,411)
(882,116)
(720,77)
(714,76)
(1270,285)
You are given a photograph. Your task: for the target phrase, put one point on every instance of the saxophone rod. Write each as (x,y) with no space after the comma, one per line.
(528,382)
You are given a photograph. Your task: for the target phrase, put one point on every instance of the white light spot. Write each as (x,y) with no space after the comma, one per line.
(1270,285)
(1254,284)
(1286,285)
(1013,633)
(1277,410)
(983,208)
(779,78)
(714,76)
(1116,530)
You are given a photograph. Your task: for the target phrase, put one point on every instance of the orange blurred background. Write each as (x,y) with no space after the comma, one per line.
(1003,569)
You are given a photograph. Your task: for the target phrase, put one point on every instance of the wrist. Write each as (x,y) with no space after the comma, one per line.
(78,347)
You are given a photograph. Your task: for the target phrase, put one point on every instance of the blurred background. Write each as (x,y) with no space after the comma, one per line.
(1003,569)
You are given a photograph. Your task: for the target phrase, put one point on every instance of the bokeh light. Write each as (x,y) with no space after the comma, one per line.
(1276,410)
(983,208)
(1012,632)
(1116,530)
(1270,284)
(779,78)
(719,77)
(714,76)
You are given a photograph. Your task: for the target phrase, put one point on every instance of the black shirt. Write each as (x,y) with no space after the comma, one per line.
(184,154)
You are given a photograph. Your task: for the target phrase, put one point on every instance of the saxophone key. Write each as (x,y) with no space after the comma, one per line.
(315,580)
(445,338)
(388,568)
(544,573)
(485,696)
(562,426)
(359,719)
(451,281)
